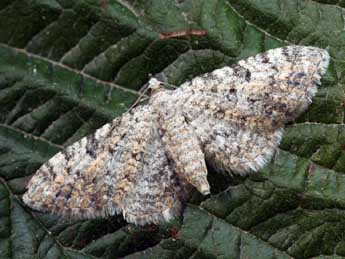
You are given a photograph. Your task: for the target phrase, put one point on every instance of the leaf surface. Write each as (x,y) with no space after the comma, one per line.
(68,67)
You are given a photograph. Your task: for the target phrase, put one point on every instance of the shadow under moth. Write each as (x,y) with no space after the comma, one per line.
(144,163)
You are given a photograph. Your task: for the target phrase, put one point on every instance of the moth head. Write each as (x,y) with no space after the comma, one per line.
(154,86)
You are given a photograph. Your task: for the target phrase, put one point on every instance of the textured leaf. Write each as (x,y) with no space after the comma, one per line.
(68,67)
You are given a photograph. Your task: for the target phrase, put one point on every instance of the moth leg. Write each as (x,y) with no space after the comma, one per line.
(184,149)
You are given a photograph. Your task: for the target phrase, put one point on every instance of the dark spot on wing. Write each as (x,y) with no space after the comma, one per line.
(214,89)
(300,75)
(265,58)
(248,75)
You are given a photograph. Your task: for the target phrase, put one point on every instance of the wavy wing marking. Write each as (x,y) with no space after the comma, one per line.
(121,168)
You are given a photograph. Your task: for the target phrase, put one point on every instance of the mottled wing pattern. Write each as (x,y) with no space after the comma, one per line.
(275,86)
(233,148)
(158,194)
(66,185)
(116,170)
(143,163)
(239,112)
(183,147)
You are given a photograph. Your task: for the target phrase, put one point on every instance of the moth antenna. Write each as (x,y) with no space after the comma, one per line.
(170,85)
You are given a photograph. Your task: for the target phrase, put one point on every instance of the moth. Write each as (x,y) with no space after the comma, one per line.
(144,163)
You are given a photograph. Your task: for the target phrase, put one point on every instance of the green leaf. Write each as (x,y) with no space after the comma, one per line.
(68,67)
(24,236)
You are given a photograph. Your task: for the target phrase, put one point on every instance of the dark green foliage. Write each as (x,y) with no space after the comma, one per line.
(68,67)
